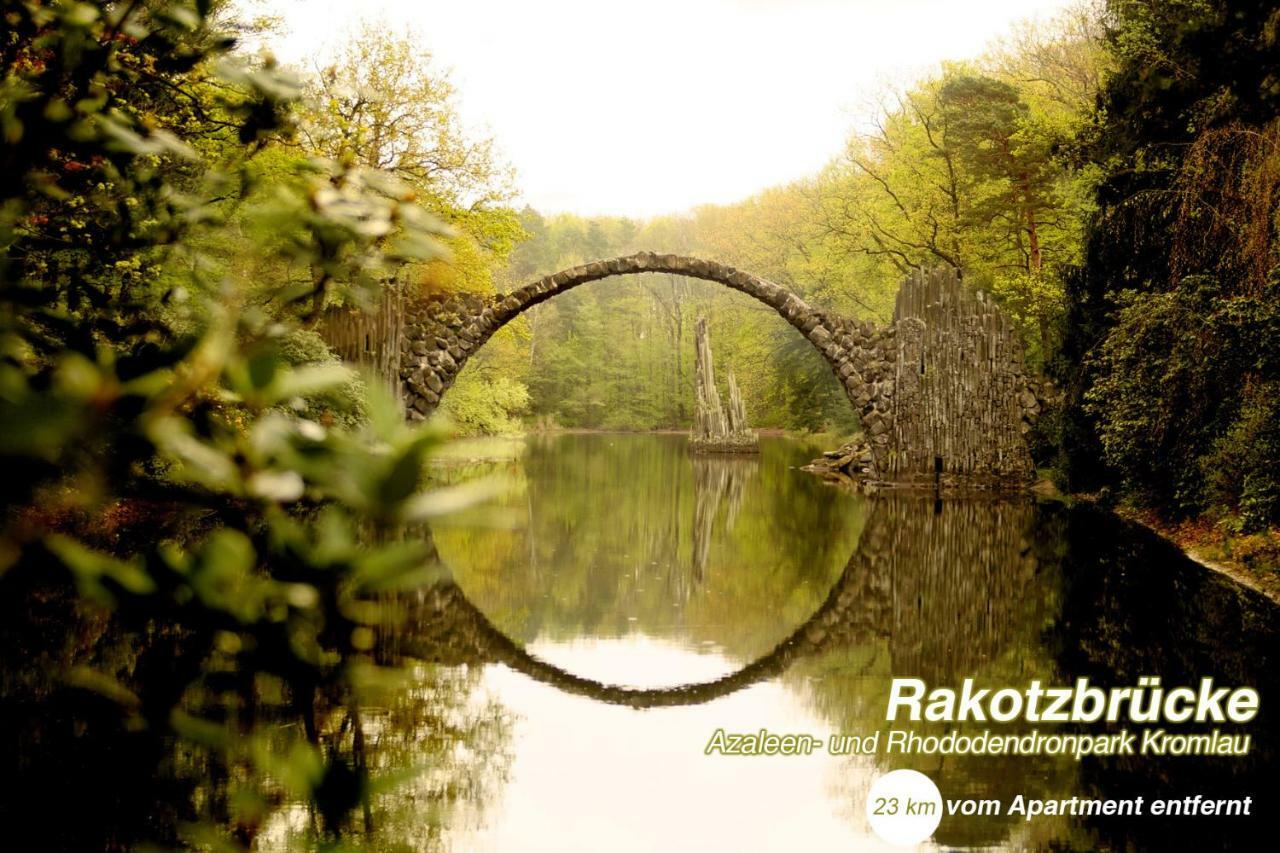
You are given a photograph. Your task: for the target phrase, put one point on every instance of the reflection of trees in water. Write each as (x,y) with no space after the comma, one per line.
(1008,593)
(78,775)
(956,589)
(436,753)
(942,586)
(626,535)
(1134,605)
(1001,592)
(903,559)
(718,483)
(85,772)
(939,591)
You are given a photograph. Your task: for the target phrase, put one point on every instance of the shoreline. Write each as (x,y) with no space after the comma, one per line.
(1260,580)
(770,432)
(1265,581)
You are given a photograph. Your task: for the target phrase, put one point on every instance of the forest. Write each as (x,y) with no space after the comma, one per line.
(1109,176)
(183,449)
(969,167)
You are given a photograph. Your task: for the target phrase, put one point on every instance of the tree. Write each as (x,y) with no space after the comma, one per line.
(1177,290)
(170,478)
(382,104)
(1010,180)
(897,191)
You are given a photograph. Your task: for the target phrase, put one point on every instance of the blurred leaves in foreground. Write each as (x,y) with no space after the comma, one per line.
(178,448)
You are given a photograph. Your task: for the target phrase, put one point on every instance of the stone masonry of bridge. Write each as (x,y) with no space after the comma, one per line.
(940,392)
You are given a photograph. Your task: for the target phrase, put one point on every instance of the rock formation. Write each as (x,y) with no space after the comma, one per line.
(714,430)
(959,404)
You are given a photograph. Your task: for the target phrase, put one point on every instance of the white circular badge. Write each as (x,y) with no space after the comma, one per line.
(904,807)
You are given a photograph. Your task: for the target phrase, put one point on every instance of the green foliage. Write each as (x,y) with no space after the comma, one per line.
(480,405)
(744,565)
(1168,356)
(1241,471)
(148,385)
(344,404)
(384,105)
(619,354)
(1160,399)
(964,170)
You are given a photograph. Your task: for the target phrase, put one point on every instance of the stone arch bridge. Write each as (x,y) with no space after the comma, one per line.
(941,391)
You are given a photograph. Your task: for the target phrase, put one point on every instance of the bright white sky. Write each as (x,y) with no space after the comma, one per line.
(643,108)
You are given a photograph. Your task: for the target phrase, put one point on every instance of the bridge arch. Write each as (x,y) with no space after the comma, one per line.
(442,334)
(941,391)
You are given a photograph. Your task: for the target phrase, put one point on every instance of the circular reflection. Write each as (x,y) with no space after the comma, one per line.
(941,586)
(630,536)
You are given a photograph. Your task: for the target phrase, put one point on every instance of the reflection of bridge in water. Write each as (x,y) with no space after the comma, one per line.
(943,584)
(994,590)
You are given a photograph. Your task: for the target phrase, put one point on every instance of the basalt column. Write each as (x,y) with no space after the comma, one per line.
(961,402)
(714,430)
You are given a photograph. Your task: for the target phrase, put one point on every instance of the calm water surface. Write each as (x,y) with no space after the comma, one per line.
(622,601)
(632,599)
(637,565)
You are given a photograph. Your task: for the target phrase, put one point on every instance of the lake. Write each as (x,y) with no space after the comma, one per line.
(630,599)
(620,601)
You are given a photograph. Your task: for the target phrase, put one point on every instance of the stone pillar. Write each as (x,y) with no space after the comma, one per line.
(371,339)
(714,431)
(957,410)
